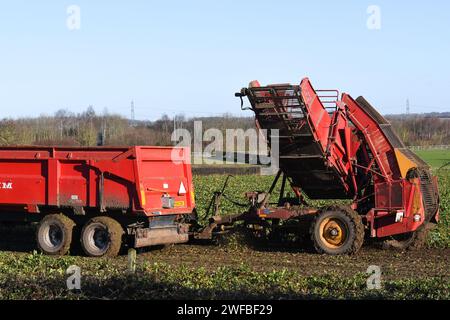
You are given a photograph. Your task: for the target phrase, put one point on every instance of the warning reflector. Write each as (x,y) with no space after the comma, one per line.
(182,189)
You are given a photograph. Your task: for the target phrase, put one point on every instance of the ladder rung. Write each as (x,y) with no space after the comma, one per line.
(273,106)
(294,136)
(284,97)
(302,157)
(275,88)
(294,119)
(281,113)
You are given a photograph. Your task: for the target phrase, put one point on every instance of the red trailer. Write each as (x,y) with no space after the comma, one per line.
(104,196)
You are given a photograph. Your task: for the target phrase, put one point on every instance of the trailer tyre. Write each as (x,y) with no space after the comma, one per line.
(102,237)
(54,234)
(337,230)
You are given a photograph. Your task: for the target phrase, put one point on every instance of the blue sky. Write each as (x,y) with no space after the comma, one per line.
(191,56)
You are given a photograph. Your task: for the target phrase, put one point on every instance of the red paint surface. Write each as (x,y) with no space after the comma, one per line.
(61,176)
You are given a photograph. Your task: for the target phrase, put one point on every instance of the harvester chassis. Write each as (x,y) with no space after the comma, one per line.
(268,221)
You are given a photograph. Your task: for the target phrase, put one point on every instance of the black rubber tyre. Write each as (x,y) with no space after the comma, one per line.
(409,241)
(54,234)
(102,237)
(337,230)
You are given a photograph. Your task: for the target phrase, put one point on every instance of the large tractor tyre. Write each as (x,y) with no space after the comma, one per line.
(409,241)
(54,234)
(337,230)
(102,237)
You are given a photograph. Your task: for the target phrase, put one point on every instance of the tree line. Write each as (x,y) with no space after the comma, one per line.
(88,128)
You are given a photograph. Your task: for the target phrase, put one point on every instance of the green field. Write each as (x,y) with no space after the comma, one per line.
(234,270)
(435,158)
(439,160)
(34,276)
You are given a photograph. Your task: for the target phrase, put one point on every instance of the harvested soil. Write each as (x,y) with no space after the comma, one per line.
(394,265)
(424,263)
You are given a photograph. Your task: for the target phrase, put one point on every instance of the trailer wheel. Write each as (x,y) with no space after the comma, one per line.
(102,236)
(54,234)
(337,230)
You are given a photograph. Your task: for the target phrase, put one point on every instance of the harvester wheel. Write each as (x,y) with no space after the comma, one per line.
(102,236)
(54,234)
(337,230)
(411,240)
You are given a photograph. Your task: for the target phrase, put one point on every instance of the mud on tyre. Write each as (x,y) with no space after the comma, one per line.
(54,234)
(337,230)
(102,236)
(408,241)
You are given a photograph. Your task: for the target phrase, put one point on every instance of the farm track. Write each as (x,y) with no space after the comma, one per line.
(426,263)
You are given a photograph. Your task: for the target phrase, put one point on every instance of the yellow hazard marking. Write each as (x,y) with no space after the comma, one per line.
(192,197)
(417,203)
(143,200)
(178,204)
(404,163)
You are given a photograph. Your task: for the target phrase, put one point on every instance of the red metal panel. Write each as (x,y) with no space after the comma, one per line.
(73,183)
(164,173)
(318,117)
(389,195)
(101,177)
(22,181)
(53,174)
(93,184)
(375,138)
